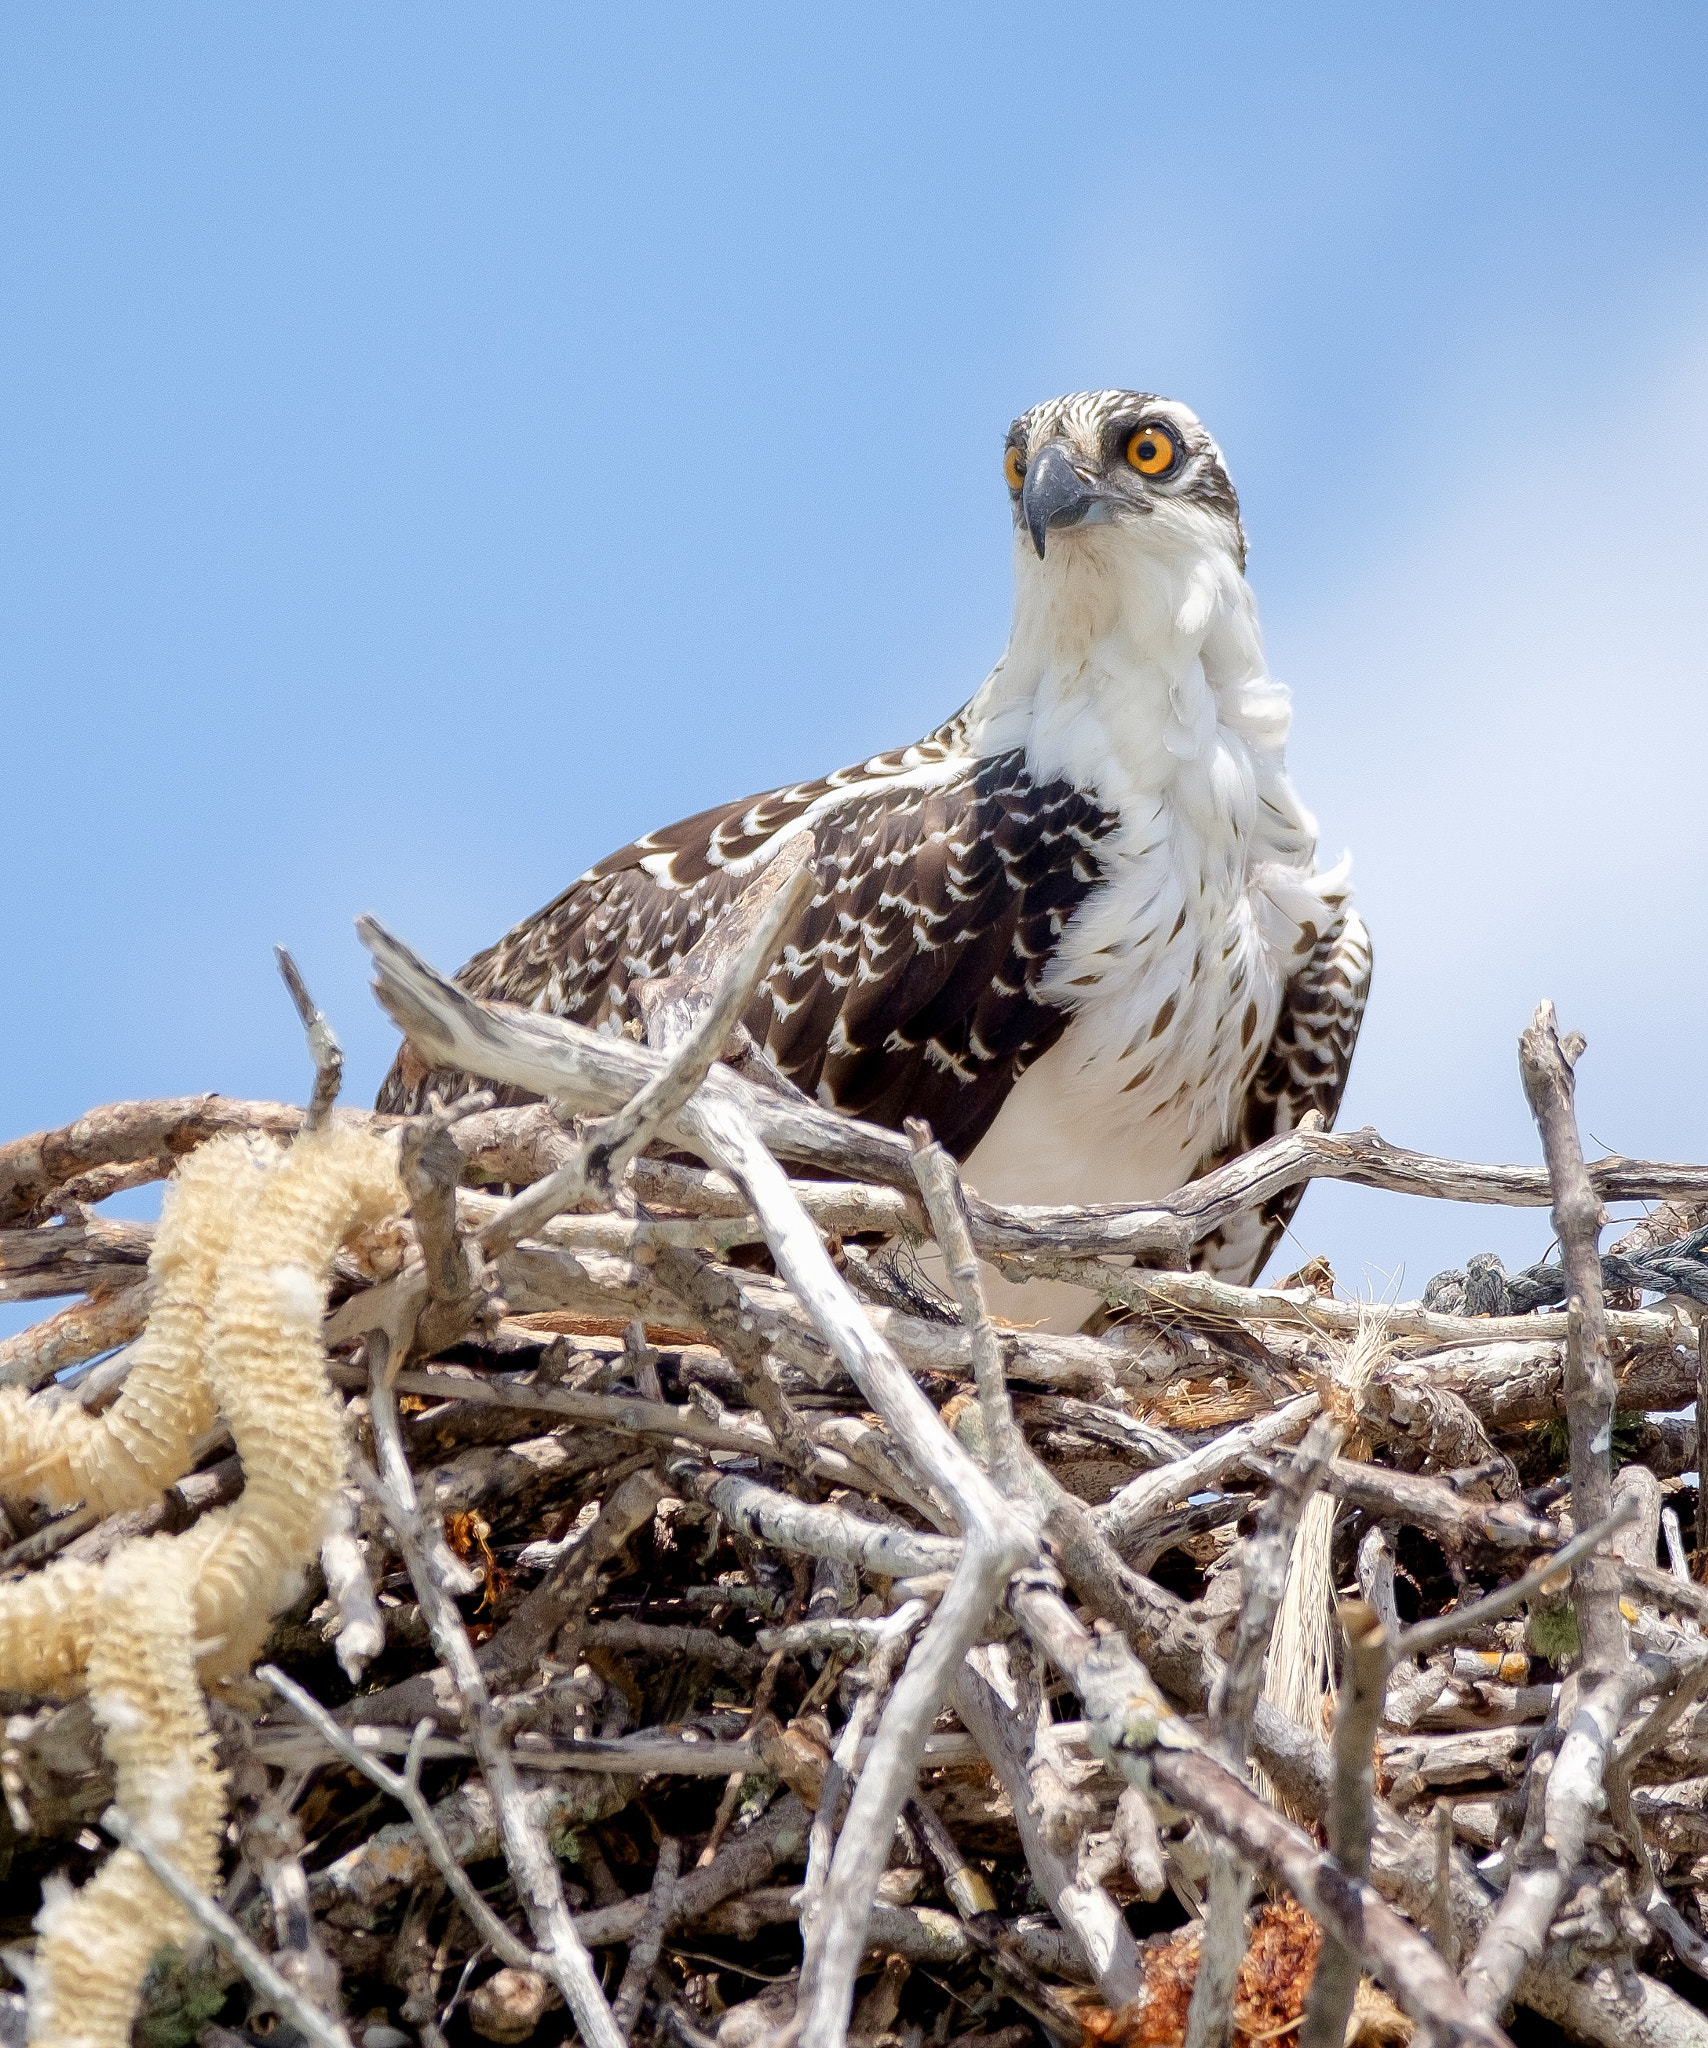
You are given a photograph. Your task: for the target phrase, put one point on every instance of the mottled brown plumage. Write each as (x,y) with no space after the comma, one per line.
(1095,880)
(909,985)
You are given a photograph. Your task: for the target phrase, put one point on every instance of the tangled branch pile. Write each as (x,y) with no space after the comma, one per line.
(660,1603)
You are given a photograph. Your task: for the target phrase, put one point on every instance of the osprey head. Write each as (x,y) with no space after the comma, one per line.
(1124,458)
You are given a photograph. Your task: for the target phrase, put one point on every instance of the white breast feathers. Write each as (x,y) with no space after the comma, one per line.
(1140,674)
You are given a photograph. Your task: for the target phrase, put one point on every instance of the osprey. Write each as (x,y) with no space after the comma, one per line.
(1078,928)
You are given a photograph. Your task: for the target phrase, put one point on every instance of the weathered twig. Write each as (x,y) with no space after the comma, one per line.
(829,1812)
(1610,1683)
(778,1837)
(998,1537)
(405,1787)
(1201,1294)
(1134,1728)
(1086,1911)
(1546,1062)
(532,1865)
(817,1530)
(1263,1582)
(644,1952)
(1123,1517)
(429,1165)
(946,1204)
(1572,1793)
(1424,1636)
(323,1047)
(76,1334)
(1351,1818)
(276,1989)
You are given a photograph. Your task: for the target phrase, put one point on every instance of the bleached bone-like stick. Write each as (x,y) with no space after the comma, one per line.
(610,1144)
(1264,1565)
(1515,1935)
(832,1204)
(277,1990)
(151,1135)
(538,1884)
(841,1206)
(998,1536)
(1546,1062)
(1132,1726)
(1352,1816)
(814,1530)
(1202,1294)
(323,1047)
(946,1203)
(1610,1683)
(1086,1911)
(1124,1514)
(842,1632)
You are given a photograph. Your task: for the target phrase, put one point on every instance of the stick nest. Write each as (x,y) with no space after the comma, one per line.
(558,1481)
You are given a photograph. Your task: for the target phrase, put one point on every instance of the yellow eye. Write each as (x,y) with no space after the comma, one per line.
(1152,450)
(1014,467)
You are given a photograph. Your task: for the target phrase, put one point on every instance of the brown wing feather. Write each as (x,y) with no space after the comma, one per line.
(1305,1068)
(909,986)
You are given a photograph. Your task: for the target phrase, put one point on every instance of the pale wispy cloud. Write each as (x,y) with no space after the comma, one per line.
(1507,720)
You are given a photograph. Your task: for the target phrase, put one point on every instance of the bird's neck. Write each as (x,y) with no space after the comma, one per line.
(1130,668)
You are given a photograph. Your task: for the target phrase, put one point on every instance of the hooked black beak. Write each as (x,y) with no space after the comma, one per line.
(1054,494)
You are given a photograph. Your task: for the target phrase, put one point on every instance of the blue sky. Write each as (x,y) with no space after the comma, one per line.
(442,442)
